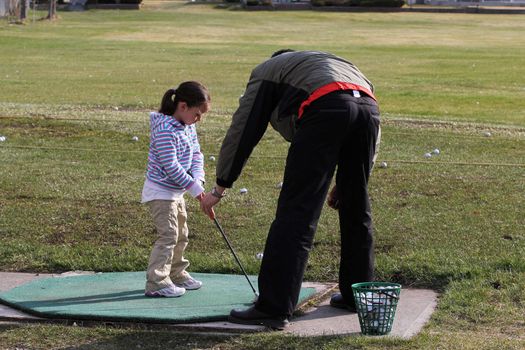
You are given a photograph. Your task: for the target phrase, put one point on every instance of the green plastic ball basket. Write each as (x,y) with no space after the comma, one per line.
(376,304)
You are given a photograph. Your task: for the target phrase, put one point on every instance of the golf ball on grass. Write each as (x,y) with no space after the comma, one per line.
(212,158)
(259,256)
(427,155)
(279,185)
(134,138)
(383,165)
(436,151)
(487,134)
(2,138)
(243,190)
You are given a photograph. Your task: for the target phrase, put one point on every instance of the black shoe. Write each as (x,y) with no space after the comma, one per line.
(337,301)
(255,317)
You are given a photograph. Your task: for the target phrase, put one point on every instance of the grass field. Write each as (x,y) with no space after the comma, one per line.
(74,92)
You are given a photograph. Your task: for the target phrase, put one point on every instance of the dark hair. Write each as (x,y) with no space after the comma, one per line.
(277,53)
(191,92)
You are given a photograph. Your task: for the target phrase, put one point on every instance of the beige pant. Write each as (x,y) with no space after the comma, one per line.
(166,263)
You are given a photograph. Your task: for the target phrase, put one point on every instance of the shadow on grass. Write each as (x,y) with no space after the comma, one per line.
(438,282)
(35,336)
(149,340)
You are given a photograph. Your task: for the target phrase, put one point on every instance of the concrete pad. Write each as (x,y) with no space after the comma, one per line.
(413,310)
(8,313)
(315,317)
(9,280)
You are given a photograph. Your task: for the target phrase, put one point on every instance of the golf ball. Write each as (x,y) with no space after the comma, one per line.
(427,155)
(487,134)
(2,138)
(436,151)
(259,256)
(279,185)
(243,190)
(212,158)
(134,138)
(383,165)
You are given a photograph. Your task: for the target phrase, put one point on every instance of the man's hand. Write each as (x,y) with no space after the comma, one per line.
(209,208)
(207,202)
(333,198)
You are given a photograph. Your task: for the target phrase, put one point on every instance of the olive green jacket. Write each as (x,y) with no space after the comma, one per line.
(274,93)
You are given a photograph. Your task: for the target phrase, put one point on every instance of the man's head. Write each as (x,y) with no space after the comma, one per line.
(277,53)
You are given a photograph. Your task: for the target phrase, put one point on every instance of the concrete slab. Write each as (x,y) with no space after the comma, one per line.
(9,280)
(315,317)
(8,313)
(413,310)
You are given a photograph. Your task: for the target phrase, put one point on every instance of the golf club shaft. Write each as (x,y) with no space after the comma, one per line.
(234,255)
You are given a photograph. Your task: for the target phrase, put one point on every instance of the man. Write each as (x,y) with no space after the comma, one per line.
(326,108)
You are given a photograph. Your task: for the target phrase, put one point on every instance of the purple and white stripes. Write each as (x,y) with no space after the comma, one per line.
(175,160)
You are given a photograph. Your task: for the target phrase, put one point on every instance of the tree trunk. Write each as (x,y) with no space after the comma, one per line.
(24,9)
(13,8)
(52,13)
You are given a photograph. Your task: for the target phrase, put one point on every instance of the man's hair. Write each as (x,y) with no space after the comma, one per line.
(277,53)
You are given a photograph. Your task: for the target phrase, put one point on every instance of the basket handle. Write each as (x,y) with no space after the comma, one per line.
(388,294)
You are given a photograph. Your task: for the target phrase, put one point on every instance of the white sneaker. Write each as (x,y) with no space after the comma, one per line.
(190,284)
(170,291)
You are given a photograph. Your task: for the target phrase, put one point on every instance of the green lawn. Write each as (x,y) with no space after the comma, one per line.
(434,66)
(74,92)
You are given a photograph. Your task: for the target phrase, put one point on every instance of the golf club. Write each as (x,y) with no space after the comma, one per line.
(236,258)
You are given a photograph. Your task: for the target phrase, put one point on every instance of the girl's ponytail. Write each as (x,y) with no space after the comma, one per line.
(168,106)
(191,92)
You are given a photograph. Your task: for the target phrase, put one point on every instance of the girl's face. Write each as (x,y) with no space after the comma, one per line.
(190,115)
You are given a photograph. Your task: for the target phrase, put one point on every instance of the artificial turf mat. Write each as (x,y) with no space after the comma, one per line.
(119,296)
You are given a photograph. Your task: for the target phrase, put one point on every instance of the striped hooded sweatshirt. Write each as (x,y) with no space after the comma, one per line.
(175,161)
(278,90)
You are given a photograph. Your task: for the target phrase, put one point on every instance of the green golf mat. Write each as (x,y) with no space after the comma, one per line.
(119,296)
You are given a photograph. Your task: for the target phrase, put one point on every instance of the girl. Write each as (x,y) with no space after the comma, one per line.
(175,166)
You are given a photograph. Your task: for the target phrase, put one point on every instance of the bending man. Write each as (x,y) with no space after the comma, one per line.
(326,108)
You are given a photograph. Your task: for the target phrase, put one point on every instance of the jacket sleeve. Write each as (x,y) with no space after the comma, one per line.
(248,125)
(197,162)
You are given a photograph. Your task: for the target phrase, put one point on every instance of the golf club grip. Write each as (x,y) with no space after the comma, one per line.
(233,252)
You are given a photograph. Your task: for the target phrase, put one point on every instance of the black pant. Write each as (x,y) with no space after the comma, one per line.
(336,130)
